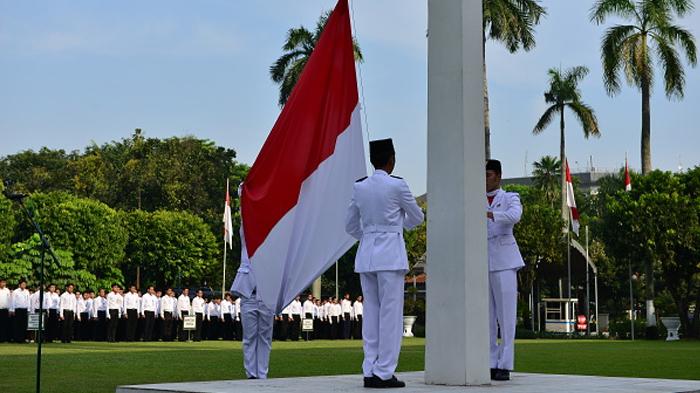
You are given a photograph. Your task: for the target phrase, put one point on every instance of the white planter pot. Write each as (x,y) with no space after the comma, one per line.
(672,325)
(408,321)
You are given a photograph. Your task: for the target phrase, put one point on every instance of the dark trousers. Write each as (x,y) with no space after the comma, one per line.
(357,333)
(238,329)
(296,327)
(347,325)
(149,320)
(167,326)
(112,325)
(228,327)
(132,319)
(198,330)
(4,325)
(181,324)
(68,318)
(20,325)
(335,328)
(84,329)
(100,326)
(52,328)
(214,328)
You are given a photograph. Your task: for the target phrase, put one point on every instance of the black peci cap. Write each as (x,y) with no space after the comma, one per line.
(493,165)
(381,147)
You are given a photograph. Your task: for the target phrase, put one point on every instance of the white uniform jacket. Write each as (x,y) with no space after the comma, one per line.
(381,207)
(503,249)
(244,283)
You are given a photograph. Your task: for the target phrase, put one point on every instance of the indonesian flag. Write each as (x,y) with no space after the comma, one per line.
(294,200)
(228,224)
(628,181)
(571,201)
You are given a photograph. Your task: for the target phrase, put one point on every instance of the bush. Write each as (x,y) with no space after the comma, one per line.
(620,328)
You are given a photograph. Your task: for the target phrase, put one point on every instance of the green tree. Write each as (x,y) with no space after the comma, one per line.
(546,177)
(564,93)
(511,22)
(297,48)
(90,230)
(45,170)
(630,48)
(172,248)
(7,224)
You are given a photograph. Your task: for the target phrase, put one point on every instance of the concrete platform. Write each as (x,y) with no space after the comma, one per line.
(520,383)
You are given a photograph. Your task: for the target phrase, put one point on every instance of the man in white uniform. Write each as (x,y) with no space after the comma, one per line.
(381,207)
(503,212)
(68,310)
(256,319)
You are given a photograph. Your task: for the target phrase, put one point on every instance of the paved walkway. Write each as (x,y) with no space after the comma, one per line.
(520,383)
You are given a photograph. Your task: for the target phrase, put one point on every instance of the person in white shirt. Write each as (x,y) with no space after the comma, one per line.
(357,312)
(382,206)
(237,326)
(5,298)
(214,318)
(19,304)
(99,315)
(167,311)
(184,308)
(68,312)
(318,319)
(51,303)
(326,311)
(115,304)
(346,315)
(295,309)
(308,311)
(149,303)
(287,321)
(132,303)
(227,316)
(198,308)
(335,312)
(85,304)
(158,324)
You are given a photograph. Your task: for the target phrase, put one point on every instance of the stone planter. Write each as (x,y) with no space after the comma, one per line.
(408,321)
(672,325)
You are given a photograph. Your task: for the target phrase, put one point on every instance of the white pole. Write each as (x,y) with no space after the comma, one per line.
(336,280)
(631,302)
(569,304)
(223,280)
(588,293)
(597,321)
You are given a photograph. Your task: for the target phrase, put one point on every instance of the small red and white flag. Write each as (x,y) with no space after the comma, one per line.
(628,181)
(228,223)
(571,201)
(294,199)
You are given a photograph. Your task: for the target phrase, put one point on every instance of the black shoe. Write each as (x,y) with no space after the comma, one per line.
(390,383)
(493,373)
(501,375)
(252,377)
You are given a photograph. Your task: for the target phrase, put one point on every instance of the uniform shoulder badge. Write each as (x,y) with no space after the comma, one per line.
(359,180)
(396,177)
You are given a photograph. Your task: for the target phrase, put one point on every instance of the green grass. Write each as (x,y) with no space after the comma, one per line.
(100,367)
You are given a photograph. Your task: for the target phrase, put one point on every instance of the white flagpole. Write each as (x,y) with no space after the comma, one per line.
(223,280)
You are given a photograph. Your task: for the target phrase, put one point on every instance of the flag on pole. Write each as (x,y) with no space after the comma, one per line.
(228,224)
(295,197)
(571,201)
(628,181)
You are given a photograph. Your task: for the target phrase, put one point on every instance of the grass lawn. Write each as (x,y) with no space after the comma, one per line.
(100,367)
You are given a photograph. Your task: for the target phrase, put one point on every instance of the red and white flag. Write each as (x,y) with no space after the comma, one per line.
(571,201)
(228,223)
(294,200)
(628,181)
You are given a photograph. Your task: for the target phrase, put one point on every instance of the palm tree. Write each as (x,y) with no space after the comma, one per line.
(630,47)
(546,176)
(564,93)
(297,48)
(511,22)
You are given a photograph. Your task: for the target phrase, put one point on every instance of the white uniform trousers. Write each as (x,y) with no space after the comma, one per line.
(256,319)
(503,304)
(382,323)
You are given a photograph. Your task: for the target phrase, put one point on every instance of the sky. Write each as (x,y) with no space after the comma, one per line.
(74,72)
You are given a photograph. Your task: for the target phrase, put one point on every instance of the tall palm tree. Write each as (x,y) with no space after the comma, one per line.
(512,23)
(629,48)
(546,176)
(299,45)
(564,93)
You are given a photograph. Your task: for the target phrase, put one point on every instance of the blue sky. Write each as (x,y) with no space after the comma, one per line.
(74,72)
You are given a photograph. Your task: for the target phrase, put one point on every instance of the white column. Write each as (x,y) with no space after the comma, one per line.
(457,346)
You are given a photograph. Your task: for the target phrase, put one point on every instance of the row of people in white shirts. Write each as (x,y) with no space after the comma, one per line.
(326,310)
(22,298)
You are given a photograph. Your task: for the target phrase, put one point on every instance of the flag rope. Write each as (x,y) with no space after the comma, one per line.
(359,69)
